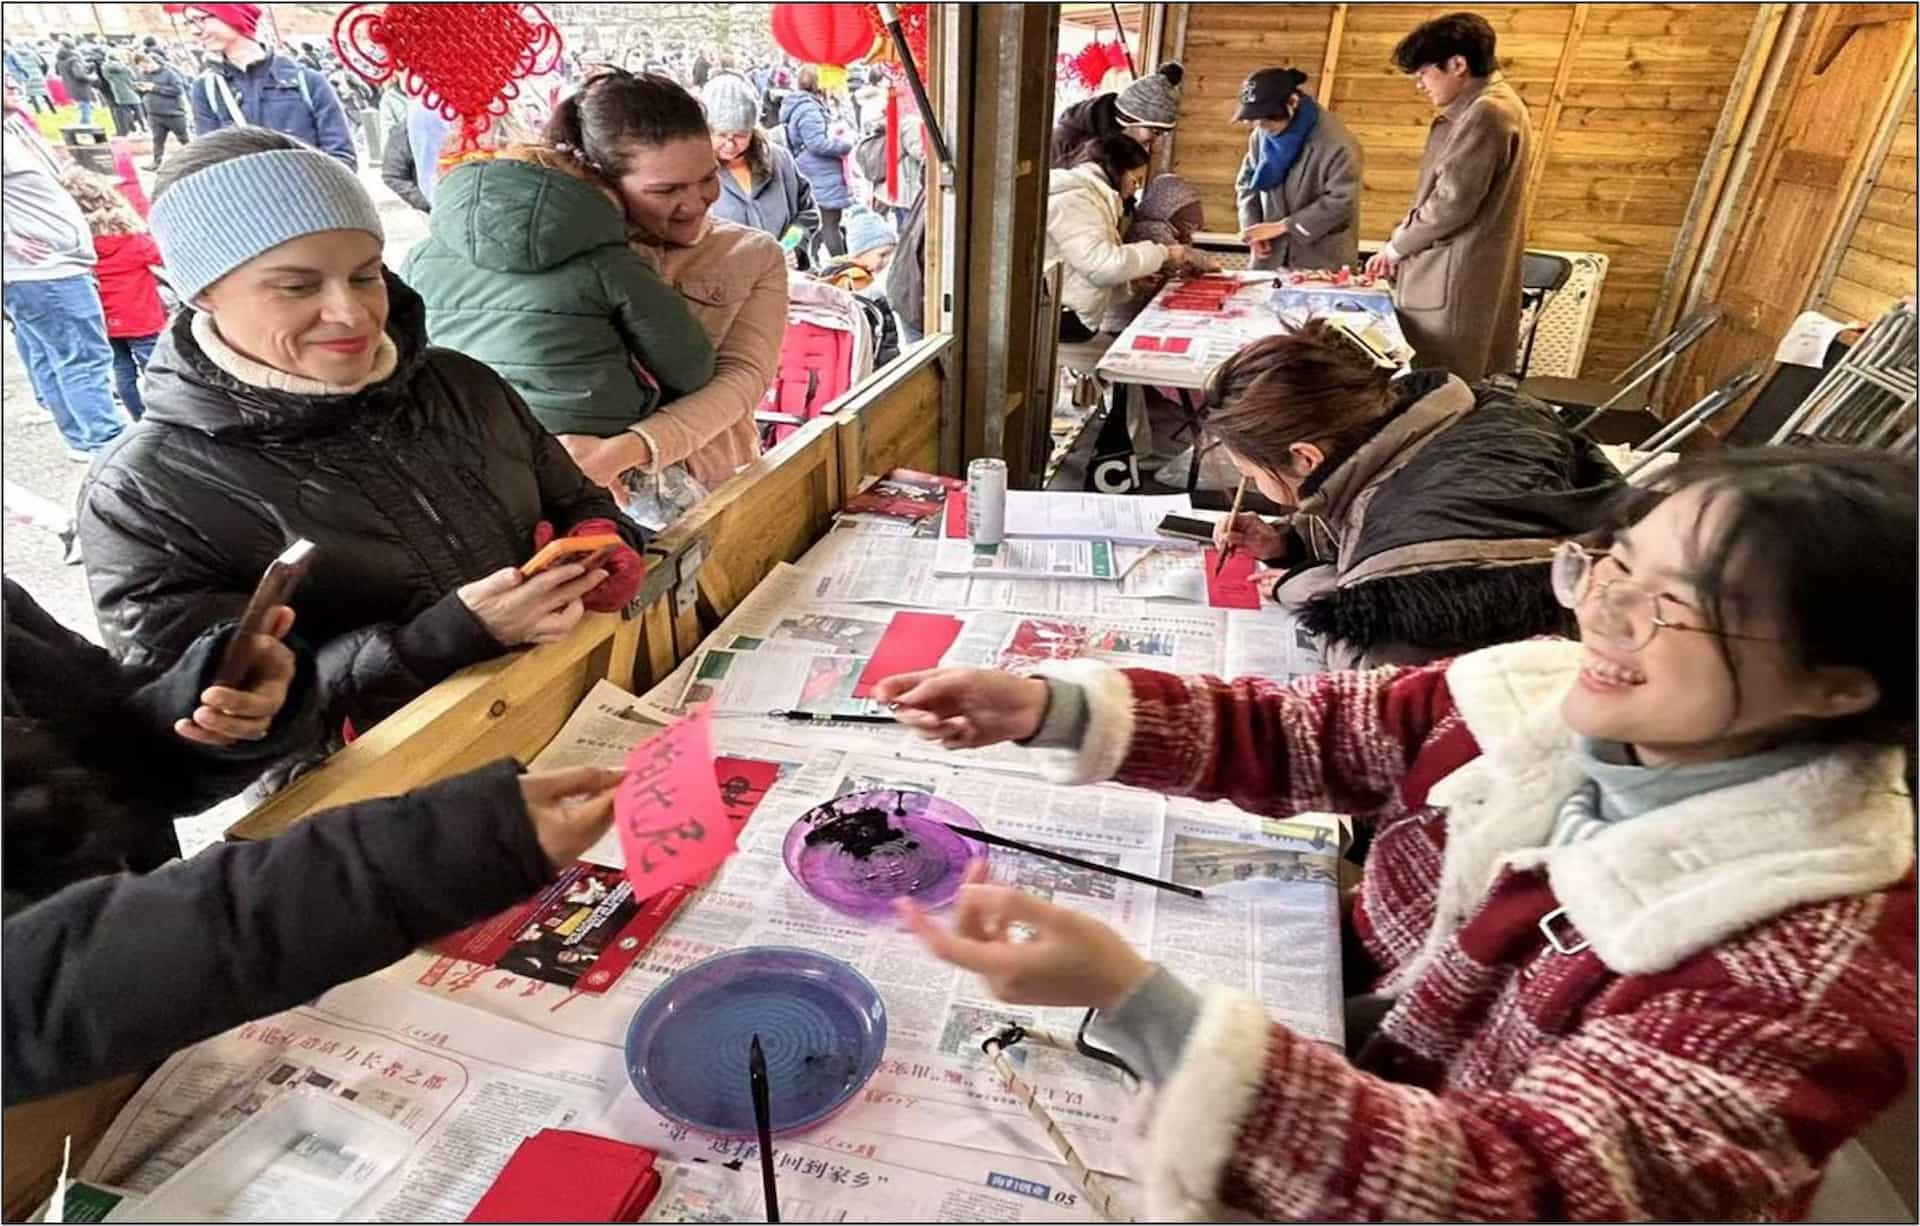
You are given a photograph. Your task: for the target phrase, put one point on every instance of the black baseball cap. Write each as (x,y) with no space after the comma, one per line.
(1265,93)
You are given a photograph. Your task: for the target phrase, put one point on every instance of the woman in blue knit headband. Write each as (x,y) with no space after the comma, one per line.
(294,395)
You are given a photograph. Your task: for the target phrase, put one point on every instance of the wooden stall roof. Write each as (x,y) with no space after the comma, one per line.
(1624,98)
(1877,266)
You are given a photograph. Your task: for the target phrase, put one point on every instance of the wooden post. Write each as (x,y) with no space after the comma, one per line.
(1698,277)
(1330,62)
(1871,154)
(1556,102)
(1174,38)
(1735,115)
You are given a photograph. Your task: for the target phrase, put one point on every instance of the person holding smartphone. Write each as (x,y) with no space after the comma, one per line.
(111,965)
(296,395)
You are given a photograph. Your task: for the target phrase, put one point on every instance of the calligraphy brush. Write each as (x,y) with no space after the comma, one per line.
(762,1124)
(1047,853)
(1239,492)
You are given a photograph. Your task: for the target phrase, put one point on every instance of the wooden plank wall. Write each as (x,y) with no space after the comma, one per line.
(1641,91)
(1878,264)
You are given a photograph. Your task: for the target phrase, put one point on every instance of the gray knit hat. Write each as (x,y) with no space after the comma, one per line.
(1154,100)
(214,220)
(732,105)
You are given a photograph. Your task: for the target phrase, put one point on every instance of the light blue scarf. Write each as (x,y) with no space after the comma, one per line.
(1279,153)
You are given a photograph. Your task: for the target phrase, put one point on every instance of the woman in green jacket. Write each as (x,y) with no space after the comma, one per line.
(526,269)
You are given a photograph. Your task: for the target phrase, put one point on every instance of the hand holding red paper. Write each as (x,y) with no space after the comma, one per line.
(674,826)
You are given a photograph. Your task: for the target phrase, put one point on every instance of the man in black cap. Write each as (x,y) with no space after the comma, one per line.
(1299,185)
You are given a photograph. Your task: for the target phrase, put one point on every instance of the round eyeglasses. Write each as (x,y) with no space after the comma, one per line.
(1614,608)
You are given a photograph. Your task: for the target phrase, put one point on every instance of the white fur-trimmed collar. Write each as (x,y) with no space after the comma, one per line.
(1650,892)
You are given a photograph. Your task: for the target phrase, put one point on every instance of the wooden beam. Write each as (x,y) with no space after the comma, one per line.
(1556,102)
(1176,50)
(1865,171)
(1728,137)
(1756,145)
(1330,62)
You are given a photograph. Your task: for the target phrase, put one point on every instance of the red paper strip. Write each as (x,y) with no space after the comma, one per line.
(1177,344)
(957,516)
(913,641)
(673,825)
(1233,587)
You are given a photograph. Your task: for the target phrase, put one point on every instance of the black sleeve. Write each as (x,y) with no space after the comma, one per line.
(567,498)
(114,974)
(126,721)
(154,598)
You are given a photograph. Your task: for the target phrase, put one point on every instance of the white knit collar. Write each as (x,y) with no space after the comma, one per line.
(1649,893)
(259,374)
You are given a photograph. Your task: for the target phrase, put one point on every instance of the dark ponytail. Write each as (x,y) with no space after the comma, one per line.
(618,112)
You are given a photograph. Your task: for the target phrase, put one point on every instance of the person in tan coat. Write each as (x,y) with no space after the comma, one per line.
(1455,258)
(650,138)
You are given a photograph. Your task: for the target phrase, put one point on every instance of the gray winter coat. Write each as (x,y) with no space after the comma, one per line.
(1319,200)
(780,196)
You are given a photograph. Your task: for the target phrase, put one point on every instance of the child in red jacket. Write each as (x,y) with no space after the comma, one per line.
(129,292)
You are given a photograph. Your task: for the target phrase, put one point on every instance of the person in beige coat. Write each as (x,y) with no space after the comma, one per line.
(1455,258)
(649,137)
(1298,189)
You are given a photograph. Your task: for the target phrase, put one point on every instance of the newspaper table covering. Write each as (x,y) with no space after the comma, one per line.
(1175,346)
(469,1058)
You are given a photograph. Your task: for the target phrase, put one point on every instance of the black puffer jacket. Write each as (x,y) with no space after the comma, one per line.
(93,773)
(425,481)
(1437,530)
(109,971)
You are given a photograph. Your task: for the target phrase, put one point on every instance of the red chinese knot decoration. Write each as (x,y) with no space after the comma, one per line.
(913,25)
(463,60)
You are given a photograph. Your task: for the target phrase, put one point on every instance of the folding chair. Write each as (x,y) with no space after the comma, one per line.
(1670,436)
(1541,277)
(1868,399)
(1628,398)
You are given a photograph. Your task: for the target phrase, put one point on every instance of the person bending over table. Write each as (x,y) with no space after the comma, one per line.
(1640,908)
(1086,214)
(112,966)
(650,139)
(1299,185)
(1424,511)
(296,396)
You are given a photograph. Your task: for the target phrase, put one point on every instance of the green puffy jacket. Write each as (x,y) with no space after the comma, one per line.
(528,271)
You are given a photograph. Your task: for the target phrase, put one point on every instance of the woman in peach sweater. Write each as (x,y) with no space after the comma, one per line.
(649,136)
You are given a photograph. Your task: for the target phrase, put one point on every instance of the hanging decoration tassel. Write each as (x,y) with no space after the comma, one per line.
(465,61)
(893,141)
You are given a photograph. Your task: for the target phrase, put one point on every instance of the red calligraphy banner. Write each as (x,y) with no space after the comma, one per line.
(673,823)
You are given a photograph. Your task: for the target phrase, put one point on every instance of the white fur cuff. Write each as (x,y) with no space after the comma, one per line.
(1109,723)
(1199,1112)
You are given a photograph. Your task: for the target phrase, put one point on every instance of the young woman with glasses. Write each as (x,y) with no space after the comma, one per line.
(1639,912)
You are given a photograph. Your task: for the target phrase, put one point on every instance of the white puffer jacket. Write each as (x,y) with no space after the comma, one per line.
(1084,216)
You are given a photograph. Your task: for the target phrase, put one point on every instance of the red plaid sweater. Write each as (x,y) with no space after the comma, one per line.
(1743,1002)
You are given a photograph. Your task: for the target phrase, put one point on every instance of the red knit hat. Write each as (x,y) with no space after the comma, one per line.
(244,18)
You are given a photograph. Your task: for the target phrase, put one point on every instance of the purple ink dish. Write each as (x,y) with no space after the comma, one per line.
(821,1024)
(859,853)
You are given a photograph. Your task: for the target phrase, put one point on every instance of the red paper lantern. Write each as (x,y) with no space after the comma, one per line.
(835,34)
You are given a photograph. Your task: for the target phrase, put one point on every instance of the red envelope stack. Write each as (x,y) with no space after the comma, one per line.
(562,1176)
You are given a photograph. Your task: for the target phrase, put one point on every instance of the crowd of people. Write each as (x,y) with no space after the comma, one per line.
(1630,765)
